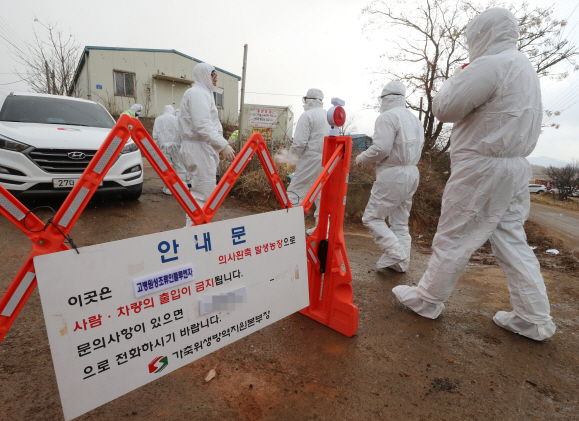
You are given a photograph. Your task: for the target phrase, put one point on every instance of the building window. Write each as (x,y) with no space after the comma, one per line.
(124,83)
(218,96)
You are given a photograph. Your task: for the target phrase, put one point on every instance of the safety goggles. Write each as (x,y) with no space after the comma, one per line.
(214,75)
(381,98)
(304,99)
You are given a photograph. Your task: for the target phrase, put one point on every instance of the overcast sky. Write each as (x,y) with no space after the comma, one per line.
(293,45)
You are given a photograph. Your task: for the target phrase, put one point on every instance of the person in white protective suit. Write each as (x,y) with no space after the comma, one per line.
(202,134)
(187,173)
(397,145)
(166,136)
(134,111)
(307,148)
(495,104)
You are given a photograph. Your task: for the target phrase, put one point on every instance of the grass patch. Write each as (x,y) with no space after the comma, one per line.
(549,199)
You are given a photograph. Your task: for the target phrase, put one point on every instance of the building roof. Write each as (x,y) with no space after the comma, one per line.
(146,50)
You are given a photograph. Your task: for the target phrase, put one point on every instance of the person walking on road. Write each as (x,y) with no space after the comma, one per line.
(307,148)
(166,136)
(397,145)
(202,134)
(495,105)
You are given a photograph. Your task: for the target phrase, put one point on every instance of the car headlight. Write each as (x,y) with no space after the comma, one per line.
(130,147)
(12,145)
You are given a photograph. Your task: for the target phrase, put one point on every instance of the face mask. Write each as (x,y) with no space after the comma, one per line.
(137,114)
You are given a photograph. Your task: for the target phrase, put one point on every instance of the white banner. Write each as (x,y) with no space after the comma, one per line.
(121,314)
(261,117)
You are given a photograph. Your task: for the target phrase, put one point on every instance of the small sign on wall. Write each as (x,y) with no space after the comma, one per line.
(99,86)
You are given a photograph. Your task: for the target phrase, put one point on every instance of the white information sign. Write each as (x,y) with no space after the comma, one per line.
(262,117)
(109,335)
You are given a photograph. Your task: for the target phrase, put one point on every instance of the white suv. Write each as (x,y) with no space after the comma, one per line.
(47,141)
(537,188)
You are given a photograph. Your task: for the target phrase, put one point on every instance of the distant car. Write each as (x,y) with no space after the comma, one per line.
(575,193)
(47,141)
(536,188)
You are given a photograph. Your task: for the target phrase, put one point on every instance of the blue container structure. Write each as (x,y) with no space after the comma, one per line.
(361,142)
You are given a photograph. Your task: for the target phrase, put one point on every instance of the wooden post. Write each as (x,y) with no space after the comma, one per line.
(242,101)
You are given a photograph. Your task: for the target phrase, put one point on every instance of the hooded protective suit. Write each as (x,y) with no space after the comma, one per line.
(307,148)
(495,104)
(166,136)
(397,145)
(202,134)
(134,111)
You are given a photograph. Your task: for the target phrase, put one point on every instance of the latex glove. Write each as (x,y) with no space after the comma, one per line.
(228,153)
(359,160)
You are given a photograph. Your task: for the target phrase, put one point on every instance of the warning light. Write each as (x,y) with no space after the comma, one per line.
(336,116)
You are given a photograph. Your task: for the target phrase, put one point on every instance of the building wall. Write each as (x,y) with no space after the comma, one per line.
(152,93)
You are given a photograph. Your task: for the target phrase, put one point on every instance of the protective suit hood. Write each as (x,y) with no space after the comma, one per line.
(202,76)
(169,110)
(135,108)
(317,101)
(493,31)
(393,95)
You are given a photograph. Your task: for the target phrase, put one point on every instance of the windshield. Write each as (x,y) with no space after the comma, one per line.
(34,109)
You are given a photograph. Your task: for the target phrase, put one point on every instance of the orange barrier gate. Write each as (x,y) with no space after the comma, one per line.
(333,308)
(330,278)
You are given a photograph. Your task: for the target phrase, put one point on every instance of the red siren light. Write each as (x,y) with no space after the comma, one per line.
(336,116)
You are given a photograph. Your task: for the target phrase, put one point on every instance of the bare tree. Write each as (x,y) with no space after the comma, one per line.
(49,61)
(565,178)
(147,98)
(349,126)
(430,46)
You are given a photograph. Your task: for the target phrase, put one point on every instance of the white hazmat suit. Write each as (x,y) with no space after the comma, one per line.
(495,104)
(307,148)
(166,136)
(134,111)
(397,145)
(202,135)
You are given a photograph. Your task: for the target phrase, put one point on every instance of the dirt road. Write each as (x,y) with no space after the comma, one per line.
(565,223)
(398,366)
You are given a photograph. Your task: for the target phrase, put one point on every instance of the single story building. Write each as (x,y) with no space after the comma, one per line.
(119,77)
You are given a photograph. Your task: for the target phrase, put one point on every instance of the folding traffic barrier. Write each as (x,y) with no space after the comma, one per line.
(330,278)
(334,307)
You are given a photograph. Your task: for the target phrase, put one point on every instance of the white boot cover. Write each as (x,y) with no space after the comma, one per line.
(410,298)
(538,332)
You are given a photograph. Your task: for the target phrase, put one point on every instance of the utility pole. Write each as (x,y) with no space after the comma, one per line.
(242,101)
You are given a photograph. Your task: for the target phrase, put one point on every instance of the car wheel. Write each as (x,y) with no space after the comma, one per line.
(538,192)
(134,192)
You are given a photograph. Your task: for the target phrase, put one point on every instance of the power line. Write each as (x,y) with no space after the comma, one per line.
(267,93)
(569,94)
(563,100)
(23,44)
(10,83)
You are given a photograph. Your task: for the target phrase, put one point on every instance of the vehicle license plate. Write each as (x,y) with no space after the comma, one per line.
(65,183)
